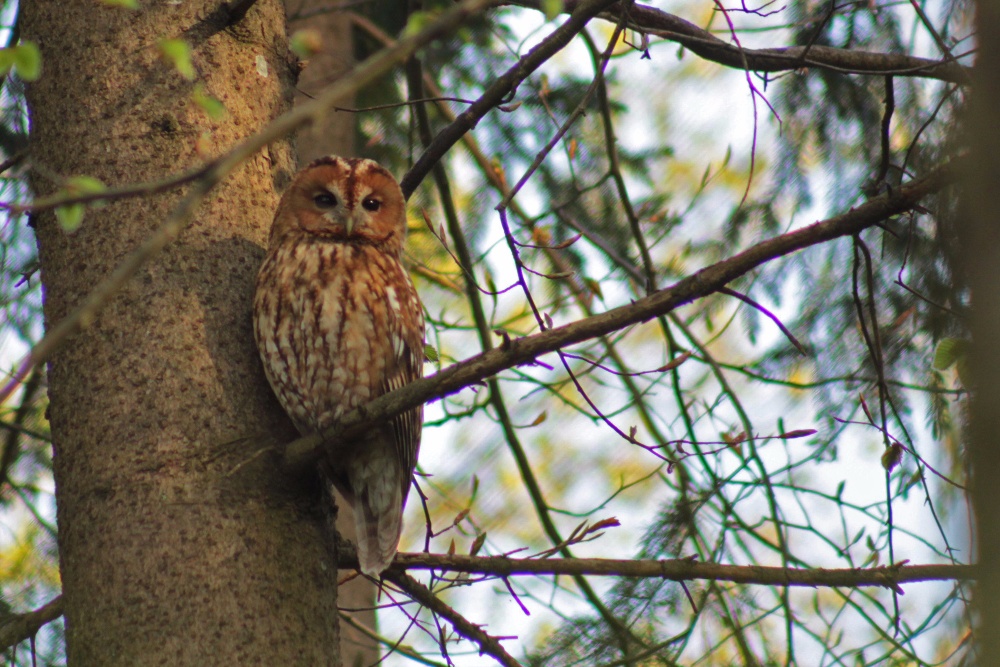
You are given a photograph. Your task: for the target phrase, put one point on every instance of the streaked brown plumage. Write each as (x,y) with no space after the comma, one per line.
(338,323)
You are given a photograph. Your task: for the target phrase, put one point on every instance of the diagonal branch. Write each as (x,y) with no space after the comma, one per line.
(580,14)
(303,453)
(417,591)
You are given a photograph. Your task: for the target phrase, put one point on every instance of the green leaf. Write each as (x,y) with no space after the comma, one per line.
(6,60)
(964,371)
(552,8)
(594,287)
(306,43)
(892,455)
(212,107)
(27,60)
(178,53)
(949,351)
(127,4)
(70,217)
(417,22)
(430,354)
(84,185)
(491,285)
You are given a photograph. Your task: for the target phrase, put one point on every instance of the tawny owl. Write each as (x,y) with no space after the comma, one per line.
(338,323)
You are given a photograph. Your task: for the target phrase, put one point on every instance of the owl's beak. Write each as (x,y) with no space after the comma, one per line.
(353,221)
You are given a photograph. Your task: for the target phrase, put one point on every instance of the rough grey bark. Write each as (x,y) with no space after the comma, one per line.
(180,541)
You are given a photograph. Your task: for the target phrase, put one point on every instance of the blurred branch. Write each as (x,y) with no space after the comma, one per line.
(108,194)
(978,237)
(303,453)
(394,646)
(652,21)
(18,627)
(16,428)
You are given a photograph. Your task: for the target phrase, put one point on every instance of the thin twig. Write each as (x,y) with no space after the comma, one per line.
(395,646)
(126,191)
(938,39)
(774,318)
(487,644)
(614,164)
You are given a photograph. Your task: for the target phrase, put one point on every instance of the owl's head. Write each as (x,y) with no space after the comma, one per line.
(346,199)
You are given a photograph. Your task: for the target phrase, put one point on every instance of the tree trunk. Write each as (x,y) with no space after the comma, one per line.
(981,243)
(333,134)
(180,541)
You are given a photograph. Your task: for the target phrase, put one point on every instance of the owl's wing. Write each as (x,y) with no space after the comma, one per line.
(406,427)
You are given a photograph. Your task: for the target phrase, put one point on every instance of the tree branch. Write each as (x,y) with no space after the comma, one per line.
(303,453)
(16,628)
(417,591)
(680,569)
(580,14)
(649,20)
(19,627)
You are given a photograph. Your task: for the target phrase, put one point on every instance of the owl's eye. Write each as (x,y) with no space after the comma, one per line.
(371,204)
(325,200)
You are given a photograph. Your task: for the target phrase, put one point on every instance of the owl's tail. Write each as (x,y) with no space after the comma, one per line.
(378,516)
(378,534)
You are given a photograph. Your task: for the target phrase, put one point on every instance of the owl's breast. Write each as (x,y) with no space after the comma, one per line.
(333,333)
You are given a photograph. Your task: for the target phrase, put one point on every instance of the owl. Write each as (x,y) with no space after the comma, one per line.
(338,323)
